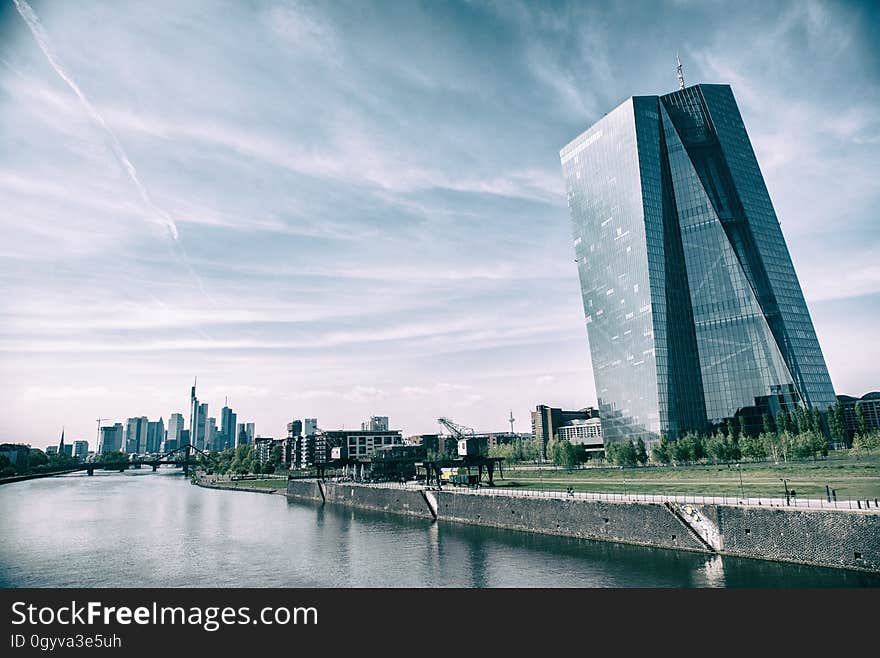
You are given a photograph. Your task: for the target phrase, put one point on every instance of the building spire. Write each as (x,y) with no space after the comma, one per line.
(680,73)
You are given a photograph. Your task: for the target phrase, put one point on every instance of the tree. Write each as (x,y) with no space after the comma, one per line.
(689,448)
(773,445)
(662,452)
(529,450)
(742,427)
(623,453)
(816,424)
(276,457)
(507,451)
(562,453)
(861,420)
(836,423)
(723,448)
(783,422)
(732,427)
(755,447)
(641,452)
(803,420)
(767,424)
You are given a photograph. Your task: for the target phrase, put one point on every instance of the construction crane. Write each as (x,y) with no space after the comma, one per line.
(456,430)
(98,439)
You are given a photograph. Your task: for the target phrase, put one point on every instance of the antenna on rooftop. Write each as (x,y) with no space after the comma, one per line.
(680,73)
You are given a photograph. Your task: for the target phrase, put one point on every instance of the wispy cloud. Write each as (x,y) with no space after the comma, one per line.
(374,203)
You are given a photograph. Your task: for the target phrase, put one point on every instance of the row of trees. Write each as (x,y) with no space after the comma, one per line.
(799,434)
(30,460)
(242,461)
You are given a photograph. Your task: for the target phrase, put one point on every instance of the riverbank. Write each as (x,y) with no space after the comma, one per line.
(34,476)
(837,538)
(269,486)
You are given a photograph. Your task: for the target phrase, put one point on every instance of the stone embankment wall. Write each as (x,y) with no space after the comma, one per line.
(830,538)
(821,537)
(630,523)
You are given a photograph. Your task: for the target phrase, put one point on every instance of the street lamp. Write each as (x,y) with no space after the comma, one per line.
(787,496)
(742,492)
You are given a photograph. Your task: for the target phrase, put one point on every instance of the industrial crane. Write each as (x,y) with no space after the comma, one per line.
(456,430)
(98,438)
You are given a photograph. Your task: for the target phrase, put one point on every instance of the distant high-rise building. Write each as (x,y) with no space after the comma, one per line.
(111,439)
(201,427)
(227,427)
(198,415)
(155,435)
(172,435)
(211,435)
(294,429)
(245,434)
(375,424)
(136,435)
(310,426)
(80,449)
(693,308)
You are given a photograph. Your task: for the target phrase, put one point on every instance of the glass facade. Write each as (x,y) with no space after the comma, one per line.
(693,309)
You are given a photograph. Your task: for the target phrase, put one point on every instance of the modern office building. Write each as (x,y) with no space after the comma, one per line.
(355,444)
(155,435)
(80,449)
(136,435)
(245,434)
(693,308)
(211,435)
(172,435)
(870,406)
(111,439)
(547,422)
(198,417)
(310,426)
(587,433)
(227,426)
(375,424)
(263,448)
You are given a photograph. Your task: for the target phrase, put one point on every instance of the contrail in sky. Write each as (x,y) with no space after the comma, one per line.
(162,217)
(42,39)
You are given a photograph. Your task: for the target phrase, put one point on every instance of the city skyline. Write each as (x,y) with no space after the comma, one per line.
(369,224)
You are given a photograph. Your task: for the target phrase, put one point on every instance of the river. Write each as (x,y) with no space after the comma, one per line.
(145,529)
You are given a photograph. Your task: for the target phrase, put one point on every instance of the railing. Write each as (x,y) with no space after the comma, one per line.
(863,504)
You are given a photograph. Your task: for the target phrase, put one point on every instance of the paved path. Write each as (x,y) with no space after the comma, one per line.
(865,506)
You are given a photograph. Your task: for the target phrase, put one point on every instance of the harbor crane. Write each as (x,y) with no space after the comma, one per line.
(456,430)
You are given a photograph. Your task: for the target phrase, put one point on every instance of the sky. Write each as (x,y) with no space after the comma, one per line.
(340,209)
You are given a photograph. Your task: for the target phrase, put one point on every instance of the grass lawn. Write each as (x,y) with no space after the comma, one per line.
(850,477)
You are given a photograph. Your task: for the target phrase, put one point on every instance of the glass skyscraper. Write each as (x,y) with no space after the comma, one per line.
(694,312)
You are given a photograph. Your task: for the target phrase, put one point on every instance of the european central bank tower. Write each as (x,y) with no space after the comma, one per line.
(694,312)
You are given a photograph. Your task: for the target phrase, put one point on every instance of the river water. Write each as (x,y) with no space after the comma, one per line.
(144,529)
